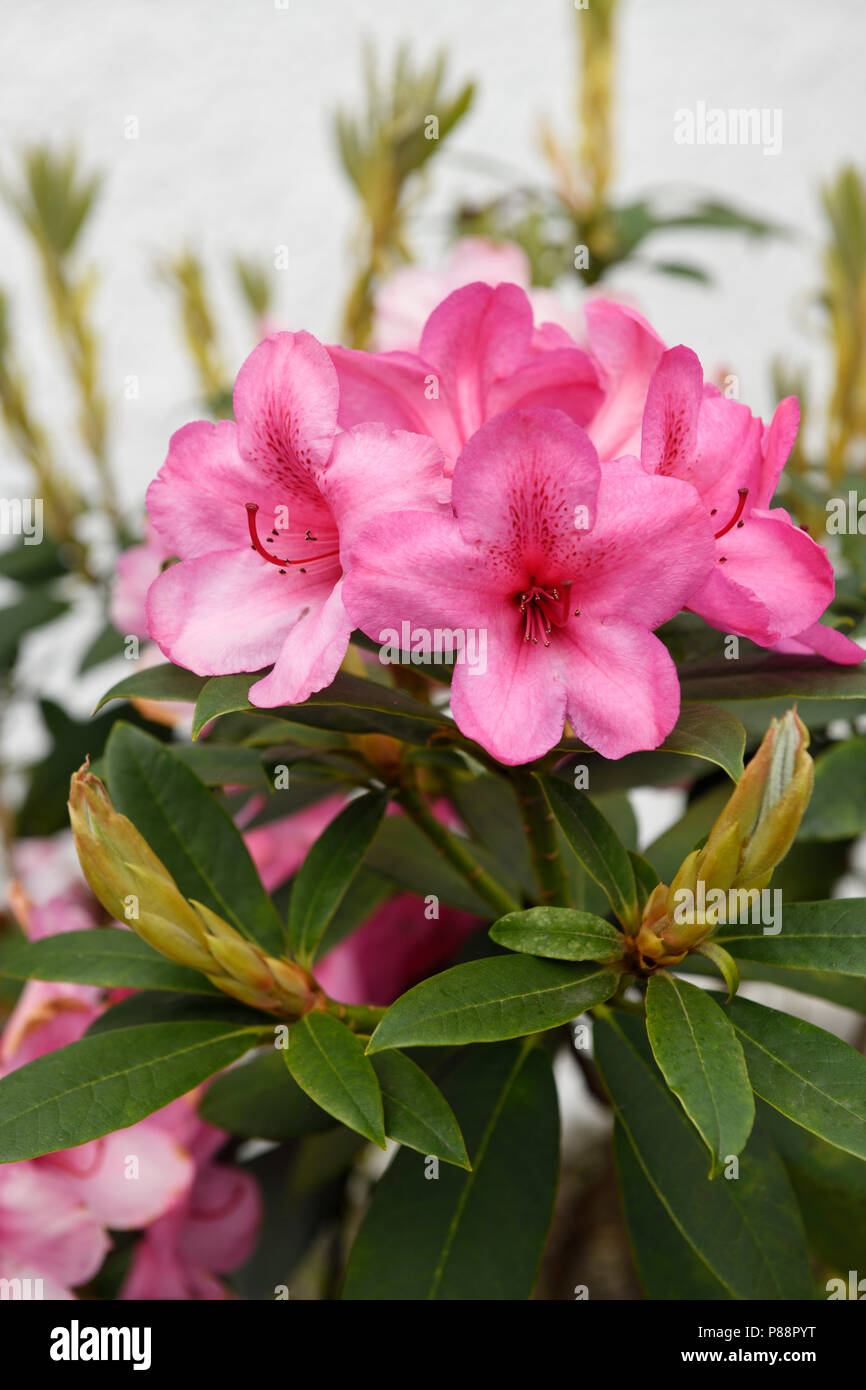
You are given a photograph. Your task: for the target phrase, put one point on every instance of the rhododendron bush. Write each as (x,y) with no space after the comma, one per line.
(416,621)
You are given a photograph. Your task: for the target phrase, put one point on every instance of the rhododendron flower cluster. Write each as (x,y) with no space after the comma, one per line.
(563,501)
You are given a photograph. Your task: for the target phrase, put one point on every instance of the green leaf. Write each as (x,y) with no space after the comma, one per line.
(746,1230)
(724,963)
(164,682)
(258,1099)
(668,1266)
(827,936)
(596,845)
(770,678)
(700,1058)
(192,834)
(328,870)
(166,1006)
(560,933)
(220,765)
(109,957)
(350,704)
(837,807)
(477,1235)
(488,1000)
(705,731)
(328,1063)
(416,1112)
(645,877)
(810,1075)
(830,1187)
(107,1082)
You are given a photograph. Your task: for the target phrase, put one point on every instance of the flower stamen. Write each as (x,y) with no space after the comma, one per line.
(252,508)
(742,493)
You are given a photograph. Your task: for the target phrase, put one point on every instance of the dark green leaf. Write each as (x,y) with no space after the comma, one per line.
(837,808)
(746,1230)
(107,1082)
(258,1099)
(827,936)
(700,1058)
(812,1076)
(191,832)
(560,933)
(488,1000)
(416,1112)
(110,957)
(595,844)
(328,1063)
(475,1235)
(329,869)
(164,682)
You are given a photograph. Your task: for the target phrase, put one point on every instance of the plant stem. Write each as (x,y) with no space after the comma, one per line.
(453,848)
(539,825)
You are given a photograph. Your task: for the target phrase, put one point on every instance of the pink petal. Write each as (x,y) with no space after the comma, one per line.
(516,707)
(782,567)
(396,390)
(44,1226)
(127,1179)
(475,337)
(197,499)
(563,378)
(670,418)
(827,642)
(622,689)
(728,456)
(374,469)
(778,442)
(229,611)
(310,656)
(285,399)
(222,1219)
(525,487)
(650,550)
(627,350)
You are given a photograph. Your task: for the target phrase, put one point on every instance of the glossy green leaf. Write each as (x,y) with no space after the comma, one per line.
(328,869)
(772,677)
(595,844)
(350,704)
(166,1006)
(416,1112)
(192,834)
(469,1236)
(559,933)
(828,936)
(328,1063)
(668,1266)
(110,957)
(837,807)
(108,1081)
(488,1000)
(258,1099)
(746,1230)
(165,682)
(705,731)
(810,1075)
(700,1058)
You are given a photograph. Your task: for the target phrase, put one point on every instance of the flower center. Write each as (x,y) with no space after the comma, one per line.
(544,607)
(304,562)
(742,493)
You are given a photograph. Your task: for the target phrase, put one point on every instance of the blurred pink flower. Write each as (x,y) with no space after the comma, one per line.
(408,297)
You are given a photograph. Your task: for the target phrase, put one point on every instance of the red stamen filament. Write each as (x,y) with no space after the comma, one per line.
(743,493)
(540,609)
(252,508)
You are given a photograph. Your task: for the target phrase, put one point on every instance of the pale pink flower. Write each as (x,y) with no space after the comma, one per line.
(261,514)
(408,297)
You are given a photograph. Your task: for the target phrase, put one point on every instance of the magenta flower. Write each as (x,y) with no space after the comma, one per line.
(260,514)
(771,582)
(559,570)
(479,355)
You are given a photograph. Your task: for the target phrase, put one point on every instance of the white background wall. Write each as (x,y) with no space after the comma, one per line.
(233,100)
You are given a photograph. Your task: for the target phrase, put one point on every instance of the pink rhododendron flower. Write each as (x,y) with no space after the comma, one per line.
(565,567)
(478,356)
(261,514)
(771,581)
(211,1229)
(408,297)
(136,568)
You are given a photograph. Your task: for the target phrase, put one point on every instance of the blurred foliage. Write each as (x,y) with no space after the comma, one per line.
(402,127)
